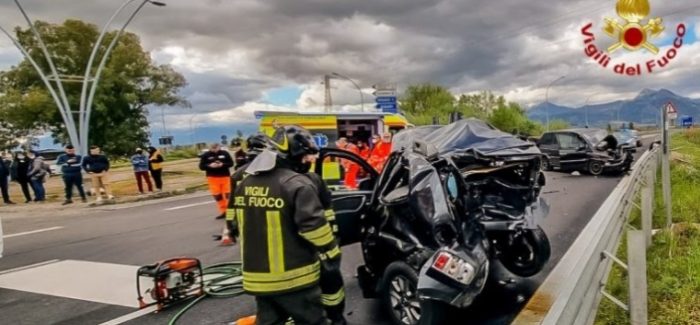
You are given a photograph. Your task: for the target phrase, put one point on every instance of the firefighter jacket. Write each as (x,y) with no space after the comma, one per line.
(324,194)
(282,231)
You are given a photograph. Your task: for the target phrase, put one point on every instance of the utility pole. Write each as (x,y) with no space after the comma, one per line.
(328,101)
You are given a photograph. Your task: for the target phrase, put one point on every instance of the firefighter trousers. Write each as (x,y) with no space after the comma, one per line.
(304,307)
(333,294)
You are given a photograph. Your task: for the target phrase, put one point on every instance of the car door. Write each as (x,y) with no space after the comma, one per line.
(350,205)
(549,146)
(572,150)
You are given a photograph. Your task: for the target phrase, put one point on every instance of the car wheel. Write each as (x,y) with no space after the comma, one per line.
(546,165)
(525,253)
(400,292)
(595,167)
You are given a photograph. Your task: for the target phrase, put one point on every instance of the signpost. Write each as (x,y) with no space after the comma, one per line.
(386,98)
(672,113)
(665,164)
(687,121)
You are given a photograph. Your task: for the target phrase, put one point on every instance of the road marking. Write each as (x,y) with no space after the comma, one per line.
(28,266)
(131,316)
(106,283)
(187,206)
(31,232)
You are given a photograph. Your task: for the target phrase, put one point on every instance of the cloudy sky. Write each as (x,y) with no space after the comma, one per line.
(243,55)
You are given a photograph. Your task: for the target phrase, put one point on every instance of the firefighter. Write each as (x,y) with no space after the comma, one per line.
(217,163)
(332,287)
(284,235)
(255,144)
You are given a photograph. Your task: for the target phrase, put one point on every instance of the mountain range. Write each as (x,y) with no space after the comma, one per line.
(643,109)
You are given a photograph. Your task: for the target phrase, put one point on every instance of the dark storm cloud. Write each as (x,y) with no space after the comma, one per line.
(466,45)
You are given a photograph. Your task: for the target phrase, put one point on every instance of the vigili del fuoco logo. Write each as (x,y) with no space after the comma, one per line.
(633,32)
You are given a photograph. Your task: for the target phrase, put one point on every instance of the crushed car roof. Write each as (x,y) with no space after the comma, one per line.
(464,135)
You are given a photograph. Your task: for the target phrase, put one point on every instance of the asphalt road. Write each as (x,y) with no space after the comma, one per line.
(74,286)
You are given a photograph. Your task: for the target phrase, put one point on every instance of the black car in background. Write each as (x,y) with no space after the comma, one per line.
(590,150)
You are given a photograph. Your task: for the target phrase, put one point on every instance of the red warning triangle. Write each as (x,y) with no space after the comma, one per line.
(670,108)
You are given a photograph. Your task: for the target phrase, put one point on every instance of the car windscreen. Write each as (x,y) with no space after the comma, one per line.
(594,136)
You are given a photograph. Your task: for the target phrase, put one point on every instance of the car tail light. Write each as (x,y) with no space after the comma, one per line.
(441,261)
(454,267)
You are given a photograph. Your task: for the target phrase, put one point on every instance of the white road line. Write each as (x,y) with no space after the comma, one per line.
(131,316)
(28,266)
(32,232)
(187,206)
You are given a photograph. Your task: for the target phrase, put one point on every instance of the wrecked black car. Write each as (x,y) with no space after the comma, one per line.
(589,150)
(449,202)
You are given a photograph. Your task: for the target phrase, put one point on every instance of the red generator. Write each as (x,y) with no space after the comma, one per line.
(174,280)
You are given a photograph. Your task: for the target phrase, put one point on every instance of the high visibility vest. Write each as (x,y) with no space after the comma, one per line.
(282,228)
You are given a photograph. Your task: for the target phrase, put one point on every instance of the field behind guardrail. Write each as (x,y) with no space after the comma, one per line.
(673,260)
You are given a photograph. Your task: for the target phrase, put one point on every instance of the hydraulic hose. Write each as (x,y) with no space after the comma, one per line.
(220,281)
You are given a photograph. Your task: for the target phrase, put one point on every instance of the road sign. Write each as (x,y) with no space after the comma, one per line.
(687,121)
(671,111)
(385,86)
(388,108)
(385,100)
(384,93)
(670,108)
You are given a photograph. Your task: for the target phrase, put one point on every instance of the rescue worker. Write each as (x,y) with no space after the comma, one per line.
(332,286)
(380,153)
(255,144)
(350,169)
(217,163)
(284,234)
(239,155)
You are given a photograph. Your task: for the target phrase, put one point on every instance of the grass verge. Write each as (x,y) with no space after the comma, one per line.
(673,261)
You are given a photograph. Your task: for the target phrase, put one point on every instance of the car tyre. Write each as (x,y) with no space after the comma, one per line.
(595,167)
(400,298)
(527,255)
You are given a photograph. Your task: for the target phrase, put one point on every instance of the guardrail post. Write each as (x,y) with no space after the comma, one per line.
(665,167)
(637,274)
(648,204)
(666,187)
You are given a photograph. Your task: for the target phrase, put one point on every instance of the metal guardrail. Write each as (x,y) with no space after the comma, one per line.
(573,290)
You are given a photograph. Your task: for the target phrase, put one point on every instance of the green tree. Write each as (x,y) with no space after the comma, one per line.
(420,103)
(130,83)
(558,125)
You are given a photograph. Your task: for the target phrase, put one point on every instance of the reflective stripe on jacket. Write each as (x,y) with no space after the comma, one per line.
(282,228)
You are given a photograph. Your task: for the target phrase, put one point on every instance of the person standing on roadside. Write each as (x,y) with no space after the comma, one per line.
(217,164)
(72,173)
(4,183)
(37,173)
(155,165)
(140,163)
(97,166)
(18,171)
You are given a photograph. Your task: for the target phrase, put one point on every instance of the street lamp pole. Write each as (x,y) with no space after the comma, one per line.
(546,96)
(78,136)
(585,106)
(61,98)
(362,96)
(87,109)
